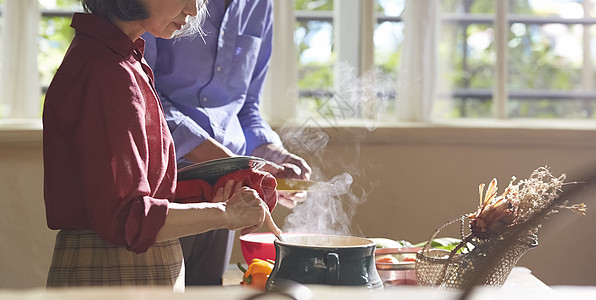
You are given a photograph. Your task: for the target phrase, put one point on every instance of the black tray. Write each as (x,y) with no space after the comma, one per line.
(211,170)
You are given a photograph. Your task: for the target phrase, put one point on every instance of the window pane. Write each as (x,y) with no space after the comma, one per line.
(569,9)
(545,57)
(313,37)
(1,23)
(1,13)
(548,75)
(468,6)
(314,40)
(467,57)
(2,107)
(313,5)
(60,4)
(55,35)
(388,40)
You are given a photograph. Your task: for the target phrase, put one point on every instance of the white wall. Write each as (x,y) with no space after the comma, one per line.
(420,177)
(416,179)
(26,242)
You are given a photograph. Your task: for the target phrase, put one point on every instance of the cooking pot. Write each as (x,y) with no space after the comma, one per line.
(325,259)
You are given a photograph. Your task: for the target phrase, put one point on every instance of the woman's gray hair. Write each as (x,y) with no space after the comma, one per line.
(131,10)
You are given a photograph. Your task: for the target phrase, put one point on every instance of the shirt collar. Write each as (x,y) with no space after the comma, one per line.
(108,34)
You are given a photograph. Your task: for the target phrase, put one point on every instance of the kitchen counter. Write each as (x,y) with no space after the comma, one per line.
(521,284)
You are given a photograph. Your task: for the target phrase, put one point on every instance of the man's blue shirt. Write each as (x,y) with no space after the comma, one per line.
(212,88)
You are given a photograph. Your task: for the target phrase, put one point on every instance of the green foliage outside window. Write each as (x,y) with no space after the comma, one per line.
(533,63)
(55,35)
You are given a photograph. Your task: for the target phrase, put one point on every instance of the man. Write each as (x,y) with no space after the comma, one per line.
(210,88)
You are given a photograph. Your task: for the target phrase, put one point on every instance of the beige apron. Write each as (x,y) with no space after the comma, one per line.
(82,258)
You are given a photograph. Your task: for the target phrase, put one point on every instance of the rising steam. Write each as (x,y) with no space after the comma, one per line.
(330,211)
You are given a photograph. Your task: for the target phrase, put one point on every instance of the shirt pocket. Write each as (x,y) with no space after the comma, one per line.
(246,52)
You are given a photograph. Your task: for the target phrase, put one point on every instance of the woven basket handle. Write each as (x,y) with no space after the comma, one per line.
(434,235)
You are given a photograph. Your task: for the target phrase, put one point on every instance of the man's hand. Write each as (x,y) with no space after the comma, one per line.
(287,165)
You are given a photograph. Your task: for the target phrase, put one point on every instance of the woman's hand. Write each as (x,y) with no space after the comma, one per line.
(245,210)
(234,207)
(224,193)
(238,198)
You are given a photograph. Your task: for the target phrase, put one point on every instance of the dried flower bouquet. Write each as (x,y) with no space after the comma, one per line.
(509,220)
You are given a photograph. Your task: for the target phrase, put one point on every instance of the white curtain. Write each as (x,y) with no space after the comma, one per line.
(281,92)
(417,71)
(19,79)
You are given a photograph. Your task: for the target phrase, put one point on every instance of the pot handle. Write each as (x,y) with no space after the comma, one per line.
(332,268)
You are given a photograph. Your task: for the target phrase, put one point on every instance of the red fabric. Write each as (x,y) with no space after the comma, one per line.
(109,158)
(198,190)
(262,182)
(194,190)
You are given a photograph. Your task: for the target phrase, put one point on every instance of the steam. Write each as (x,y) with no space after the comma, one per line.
(330,211)
(325,212)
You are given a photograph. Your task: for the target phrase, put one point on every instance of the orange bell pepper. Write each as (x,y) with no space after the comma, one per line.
(257,274)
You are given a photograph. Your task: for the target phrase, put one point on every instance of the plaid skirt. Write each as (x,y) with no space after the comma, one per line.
(82,258)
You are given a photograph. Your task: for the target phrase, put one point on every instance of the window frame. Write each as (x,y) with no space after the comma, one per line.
(500,92)
(286,95)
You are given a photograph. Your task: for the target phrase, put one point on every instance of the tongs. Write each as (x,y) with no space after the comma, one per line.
(298,185)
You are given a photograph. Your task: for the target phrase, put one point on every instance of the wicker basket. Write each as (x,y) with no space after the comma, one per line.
(435,268)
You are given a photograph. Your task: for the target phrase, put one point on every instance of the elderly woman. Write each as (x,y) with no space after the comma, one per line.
(109,161)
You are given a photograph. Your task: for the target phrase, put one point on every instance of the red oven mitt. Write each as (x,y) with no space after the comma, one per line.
(193,191)
(262,182)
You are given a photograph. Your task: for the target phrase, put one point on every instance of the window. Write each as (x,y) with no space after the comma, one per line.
(549,53)
(1,22)
(388,36)
(418,60)
(55,35)
(540,67)
(339,43)
(34,40)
